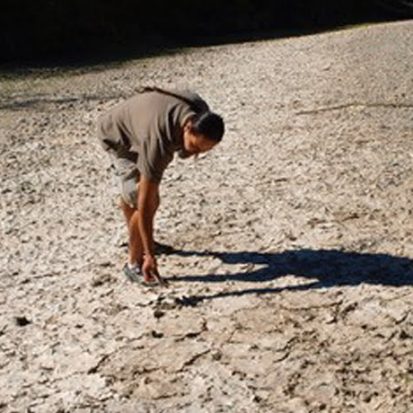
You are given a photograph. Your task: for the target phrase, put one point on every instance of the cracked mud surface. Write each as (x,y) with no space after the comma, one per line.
(291,279)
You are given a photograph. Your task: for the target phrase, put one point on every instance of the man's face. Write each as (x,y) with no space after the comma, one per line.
(195,144)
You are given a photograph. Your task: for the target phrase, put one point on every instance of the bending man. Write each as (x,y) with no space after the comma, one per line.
(142,135)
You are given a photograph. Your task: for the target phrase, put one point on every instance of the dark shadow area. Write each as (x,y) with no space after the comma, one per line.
(329,268)
(75,33)
(39,101)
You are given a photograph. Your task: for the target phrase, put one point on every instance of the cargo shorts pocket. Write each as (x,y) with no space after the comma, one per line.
(128,176)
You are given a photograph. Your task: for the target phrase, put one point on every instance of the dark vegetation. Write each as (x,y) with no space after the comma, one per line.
(39,29)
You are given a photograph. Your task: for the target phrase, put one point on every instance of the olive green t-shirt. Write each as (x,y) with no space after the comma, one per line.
(149,124)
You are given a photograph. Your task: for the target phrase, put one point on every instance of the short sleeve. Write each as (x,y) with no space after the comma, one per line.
(153,160)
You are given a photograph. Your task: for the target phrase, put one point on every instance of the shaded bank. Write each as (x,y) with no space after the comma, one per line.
(70,28)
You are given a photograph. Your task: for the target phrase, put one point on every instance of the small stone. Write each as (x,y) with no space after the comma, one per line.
(156,334)
(101,280)
(106,264)
(158,313)
(256,398)
(22,321)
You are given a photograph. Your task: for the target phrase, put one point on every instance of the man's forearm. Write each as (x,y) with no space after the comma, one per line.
(148,201)
(146,216)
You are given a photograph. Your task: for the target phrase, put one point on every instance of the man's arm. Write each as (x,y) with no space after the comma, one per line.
(148,202)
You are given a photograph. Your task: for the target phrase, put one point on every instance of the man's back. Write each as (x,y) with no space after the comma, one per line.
(150,125)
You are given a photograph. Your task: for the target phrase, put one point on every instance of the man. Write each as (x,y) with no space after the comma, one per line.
(142,134)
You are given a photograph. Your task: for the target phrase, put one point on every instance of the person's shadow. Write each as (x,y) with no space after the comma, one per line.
(326,268)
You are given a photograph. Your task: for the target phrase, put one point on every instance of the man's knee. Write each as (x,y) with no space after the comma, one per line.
(125,206)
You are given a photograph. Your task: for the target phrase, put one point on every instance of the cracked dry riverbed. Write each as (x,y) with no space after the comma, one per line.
(292,270)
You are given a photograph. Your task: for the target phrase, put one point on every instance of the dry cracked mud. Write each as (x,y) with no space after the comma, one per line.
(292,270)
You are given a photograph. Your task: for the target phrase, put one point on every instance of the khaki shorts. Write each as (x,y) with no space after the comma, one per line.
(128,175)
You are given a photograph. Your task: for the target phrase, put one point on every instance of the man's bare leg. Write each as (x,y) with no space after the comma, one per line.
(135,252)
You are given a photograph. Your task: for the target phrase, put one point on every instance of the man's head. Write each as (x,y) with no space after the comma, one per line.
(201,133)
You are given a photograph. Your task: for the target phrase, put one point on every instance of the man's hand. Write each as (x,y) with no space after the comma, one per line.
(150,271)
(150,268)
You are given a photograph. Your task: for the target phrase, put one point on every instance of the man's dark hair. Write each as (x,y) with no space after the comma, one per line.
(208,124)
